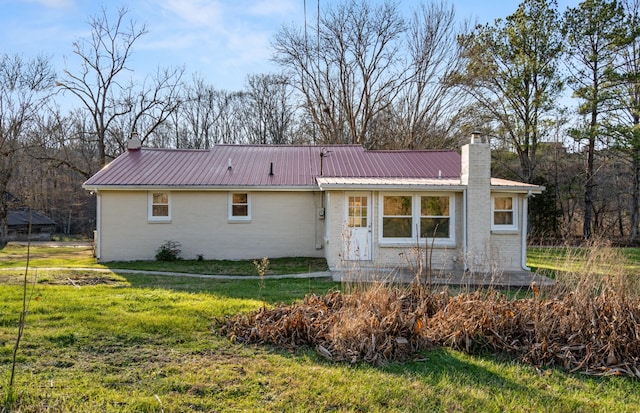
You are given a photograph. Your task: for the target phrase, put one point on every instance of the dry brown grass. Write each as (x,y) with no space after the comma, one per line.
(589,321)
(376,325)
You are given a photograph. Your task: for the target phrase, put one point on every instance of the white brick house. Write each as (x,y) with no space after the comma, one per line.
(340,202)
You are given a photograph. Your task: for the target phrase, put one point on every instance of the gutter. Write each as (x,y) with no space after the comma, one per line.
(98,237)
(464,229)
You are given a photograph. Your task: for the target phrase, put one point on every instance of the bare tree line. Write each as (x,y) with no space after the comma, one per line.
(362,73)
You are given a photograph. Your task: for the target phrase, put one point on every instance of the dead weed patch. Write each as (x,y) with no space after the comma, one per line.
(595,334)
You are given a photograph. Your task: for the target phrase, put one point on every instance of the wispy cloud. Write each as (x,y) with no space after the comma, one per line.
(196,12)
(53,4)
(272,7)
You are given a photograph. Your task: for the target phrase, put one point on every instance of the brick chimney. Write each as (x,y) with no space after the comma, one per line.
(134,143)
(476,175)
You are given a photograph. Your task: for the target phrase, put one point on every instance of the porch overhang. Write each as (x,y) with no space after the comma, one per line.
(421,184)
(505,185)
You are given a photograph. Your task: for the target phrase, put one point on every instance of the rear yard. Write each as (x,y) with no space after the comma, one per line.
(140,343)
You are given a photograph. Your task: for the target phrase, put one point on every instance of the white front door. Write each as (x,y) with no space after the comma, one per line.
(357,234)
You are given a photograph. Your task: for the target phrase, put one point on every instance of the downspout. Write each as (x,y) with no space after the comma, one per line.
(525,214)
(98,243)
(464,229)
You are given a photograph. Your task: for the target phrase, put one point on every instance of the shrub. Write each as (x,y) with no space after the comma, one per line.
(169,251)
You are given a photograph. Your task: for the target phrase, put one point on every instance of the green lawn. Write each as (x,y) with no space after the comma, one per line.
(146,344)
(547,259)
(13,256)
(129,343)
(598,259)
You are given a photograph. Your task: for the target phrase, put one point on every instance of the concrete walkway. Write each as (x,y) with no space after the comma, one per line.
(514,279)
(521,279)
(320,274)
(518,279)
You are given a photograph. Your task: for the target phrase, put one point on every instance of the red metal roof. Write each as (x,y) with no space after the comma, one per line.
(250,165)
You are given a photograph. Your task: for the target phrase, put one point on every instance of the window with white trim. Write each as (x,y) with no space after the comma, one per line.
(504,212)
(239,206)
(159,206)
(406,215)
(397,216)
(434,217)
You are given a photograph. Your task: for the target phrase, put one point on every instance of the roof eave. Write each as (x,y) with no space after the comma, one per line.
(97,188)
(533,189)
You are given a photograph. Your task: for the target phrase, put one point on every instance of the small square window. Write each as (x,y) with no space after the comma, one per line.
(239,206)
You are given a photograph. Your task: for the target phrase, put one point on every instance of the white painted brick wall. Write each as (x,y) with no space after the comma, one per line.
(282,224)
(476,174)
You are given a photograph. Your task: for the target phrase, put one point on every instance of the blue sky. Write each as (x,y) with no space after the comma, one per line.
(221,40)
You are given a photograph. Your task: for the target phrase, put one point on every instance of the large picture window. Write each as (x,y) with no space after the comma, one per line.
(159,206)
(408,216)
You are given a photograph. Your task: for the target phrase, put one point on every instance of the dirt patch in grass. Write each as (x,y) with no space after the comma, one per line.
(66,277)
(82,279)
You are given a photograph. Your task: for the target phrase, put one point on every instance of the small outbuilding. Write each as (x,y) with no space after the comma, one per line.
(18,220)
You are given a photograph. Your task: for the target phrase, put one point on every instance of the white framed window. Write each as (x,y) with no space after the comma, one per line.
(159,206)
(427,216)
(504,212)
(239,206)
(397,216)
(435,218)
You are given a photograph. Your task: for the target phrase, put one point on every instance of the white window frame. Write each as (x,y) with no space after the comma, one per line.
(420,216)
(383,216)
(234,218)
(415,219)
(150,204)
(514,209)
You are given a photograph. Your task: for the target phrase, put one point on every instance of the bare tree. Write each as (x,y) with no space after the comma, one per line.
(352,72)
(268,109)
(65,141)
(25,87)
(196,119)
(426,111)
(105,91)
